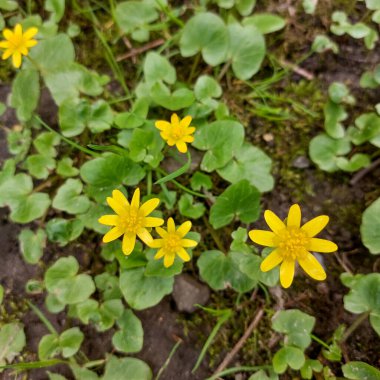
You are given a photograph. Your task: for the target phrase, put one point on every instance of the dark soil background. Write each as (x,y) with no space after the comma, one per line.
(316,191)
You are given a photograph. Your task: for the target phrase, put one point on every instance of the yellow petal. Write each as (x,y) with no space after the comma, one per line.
(149,206)
(116,206)
(188,139)
(188,243)
(170,142)
(145,236)
(156,243)
(181,146)
(7,54)
(184,228)
(174,119)
(16,59)
(185,122)
(30,33)
(160,253)
(120,198)
(23,50)
(136,198)
(171,225)
(189,130)
(31,43)
(18,30)
(161,232)
(273,221)
(183,255)
(169,259)
(312,267)
(322,245)
(315,226)
(8,34)
(294,216)
(109,220)
(266,238)
(162,125)
(153,222)
(129,241)
(112,235)
(4,44)
(271,261)
(287,273)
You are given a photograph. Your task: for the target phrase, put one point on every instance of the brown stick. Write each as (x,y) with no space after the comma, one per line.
(360,174)
(141,49)
(298,70)
(241,342)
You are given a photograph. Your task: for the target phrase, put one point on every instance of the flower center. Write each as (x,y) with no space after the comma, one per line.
(132,222)
(293,242)
(176,132)
(172,243)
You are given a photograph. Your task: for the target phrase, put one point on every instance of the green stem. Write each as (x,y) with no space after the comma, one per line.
(94,363)
(183,169)
(167,361)
(149,182)
(214,235)
(238,369)
(357,322)
(43,319)
(320,341)
(169,13)
(68,141)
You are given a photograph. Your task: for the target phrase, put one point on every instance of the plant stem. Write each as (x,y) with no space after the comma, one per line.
(214,235)
(149,182)
(320,341)
(357,322)
(238,369)
(43,319)
(167,361)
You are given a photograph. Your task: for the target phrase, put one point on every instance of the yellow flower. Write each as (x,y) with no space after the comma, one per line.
(17,43)
(131,220)
(292,243)
(173,242)
(177,132)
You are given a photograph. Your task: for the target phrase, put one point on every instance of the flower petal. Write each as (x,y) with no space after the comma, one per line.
(171,225)
(273,221)
(189,130)
(181,146)
(145,236)
(153,222)
(31,43)
(183,255)
(322,245)
(129,241)
(271,261)
(266,238)
(4,44)
(109,220)
(18,30)
(294,216)
(188,139)
(16,59)
(156,243)
(160,253)
(312,267)
(7,54)
(315,226)
(112,235)
(120,198)
(185,122)
(188,243)
(162,125)
(116,206)
(184,228)
(148,206)
(30,33)
(174,119)
(161,232)
(169,259)
(8,34)
(135,202)
(287,273)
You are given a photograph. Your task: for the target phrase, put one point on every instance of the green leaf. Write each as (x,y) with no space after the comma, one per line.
(111,170)
(65,168)
(360,371)
(130,15)
(129,338)
(73,115)
(288,356)
(156,268)
(109,285)
(134,118)
(55,376)
(221,140)
(247,51)
(240,200)
(334,114)
(70,341)
(309,367)
(207,87)
(157,68)
(338,92)
(81,373)
(265,22)
(48,347)
(199,180)
(205,33)
(29,208)
(8,5)
(245,7)
(45,142)
(12,341)
(25,93)
(356,162)
(189,209)
(39,166)
(85,310)
(322,43)
(296,325)
(309,8)
(101,117)
(57,7)
(141,291)
(221,271)
(372,4)
(126,368)
(370,227)
(367,128)
(32,245)
(62,231)
(252,164)
(173,101)
(68,198)
(325,150)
